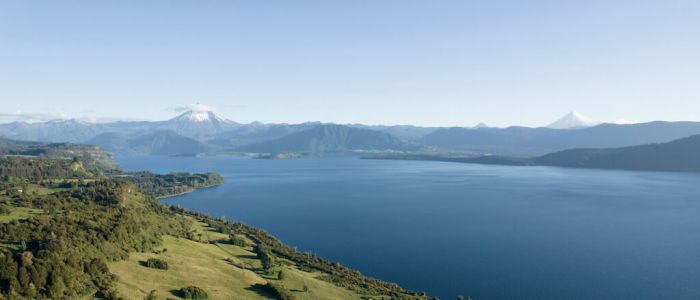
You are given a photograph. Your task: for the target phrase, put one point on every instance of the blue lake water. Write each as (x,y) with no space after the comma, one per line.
(491,232)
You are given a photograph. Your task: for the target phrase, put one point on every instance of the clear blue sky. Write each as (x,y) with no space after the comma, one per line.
(376,62)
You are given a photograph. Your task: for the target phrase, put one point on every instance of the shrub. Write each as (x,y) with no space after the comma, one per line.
(193,292)
(157,263)
(275,289)
(280,275)
(265,255)
(238,241)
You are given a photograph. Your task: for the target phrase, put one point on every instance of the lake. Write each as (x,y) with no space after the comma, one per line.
(490,232)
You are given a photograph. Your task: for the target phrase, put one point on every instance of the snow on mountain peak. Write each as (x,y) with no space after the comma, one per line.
(197,116)
(197,121)
(574,120)
(199,113)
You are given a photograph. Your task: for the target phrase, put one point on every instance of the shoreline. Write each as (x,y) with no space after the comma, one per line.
(192,190)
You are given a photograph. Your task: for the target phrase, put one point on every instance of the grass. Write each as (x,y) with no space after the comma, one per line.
(191,263)
(295,280)
(223,270)
(20,213)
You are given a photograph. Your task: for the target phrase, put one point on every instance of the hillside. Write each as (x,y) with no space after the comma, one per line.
(681,155)
(101,238)
(676,156)
(333,139)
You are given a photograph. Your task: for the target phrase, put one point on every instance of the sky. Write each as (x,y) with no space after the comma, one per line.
(431,63)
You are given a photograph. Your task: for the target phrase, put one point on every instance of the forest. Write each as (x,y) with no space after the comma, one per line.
(171,184)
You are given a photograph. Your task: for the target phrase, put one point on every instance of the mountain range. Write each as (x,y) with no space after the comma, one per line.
(201,130)
(526,141)
(333,139)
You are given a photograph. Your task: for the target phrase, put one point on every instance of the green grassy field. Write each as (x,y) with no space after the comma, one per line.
(223,270)
(20,213)
(191,263)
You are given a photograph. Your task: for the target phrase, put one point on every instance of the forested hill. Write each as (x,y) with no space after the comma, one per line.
(101,238)
(681,156)
(330,138)
(93,157)
(43,168)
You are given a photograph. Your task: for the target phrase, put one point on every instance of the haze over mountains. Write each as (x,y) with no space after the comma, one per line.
(201,130)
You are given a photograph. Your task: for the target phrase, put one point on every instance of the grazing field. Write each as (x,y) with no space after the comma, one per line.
(191,263)
(20,213)
(223,270)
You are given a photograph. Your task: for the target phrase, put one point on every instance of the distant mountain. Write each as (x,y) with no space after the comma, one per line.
(679,155)
(205,131)
(163,142)
(510,141)
(246,134)
(199,124)
(574,120)
(405,132)
(525,141)
(112,142)
(72,131)
(333,139)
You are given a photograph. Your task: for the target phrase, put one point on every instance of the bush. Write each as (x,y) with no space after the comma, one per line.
(279,291)
(280,275)
(157,263)
(238,241)
(266,258)
(193,292)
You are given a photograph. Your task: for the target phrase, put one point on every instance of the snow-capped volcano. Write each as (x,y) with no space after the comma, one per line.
(574,120)
(198,122)
(199,116)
